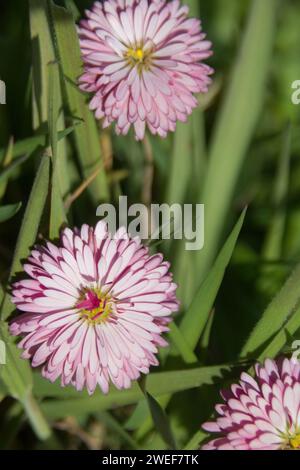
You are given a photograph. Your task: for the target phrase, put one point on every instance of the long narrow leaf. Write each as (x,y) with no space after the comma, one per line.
(236,125)
(57,214)
(158,384)
(159,417)
(195,319)
(30,225)
(276,315)
(86,136)
(42,56)
(7,212)
(16,376)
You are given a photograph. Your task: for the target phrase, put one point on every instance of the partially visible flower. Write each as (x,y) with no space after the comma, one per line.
(143,62)
(261,413)
(96,308)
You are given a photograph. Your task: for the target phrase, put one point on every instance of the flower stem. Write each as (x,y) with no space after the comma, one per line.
(148,173)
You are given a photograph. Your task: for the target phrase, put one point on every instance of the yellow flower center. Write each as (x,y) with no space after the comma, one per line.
(139,56)
(95,306)
(136,54)
(295,442)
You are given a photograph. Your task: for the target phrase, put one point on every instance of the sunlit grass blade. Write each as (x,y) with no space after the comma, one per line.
(236,124)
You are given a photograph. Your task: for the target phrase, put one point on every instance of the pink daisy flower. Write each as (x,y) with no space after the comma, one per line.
(96,308)
(261,413)
(143,62)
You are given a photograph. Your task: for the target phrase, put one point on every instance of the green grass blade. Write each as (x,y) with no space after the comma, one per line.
(8,171)
(161,421)
(159,417)
(182,345)
(117,428)
(147,423)
(205,337)
(9,211)
(25,146)
(87,137)
(180,164)
(236,125)
(16,373)
(276,315)
(196,440)
(188,159)
(195,318)
(16,376)
(276,345)
(57,212)
(36,418)
(30,225)
(160,383)
(6,161)
(274,241)
(137,418)
(70,5)
(43,55)
(31,144)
